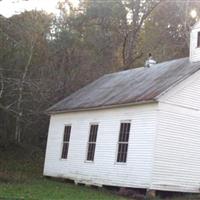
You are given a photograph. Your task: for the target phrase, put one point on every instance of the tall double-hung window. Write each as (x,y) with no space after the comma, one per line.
(123,141)
(92,142)
(66,139)
(198,39)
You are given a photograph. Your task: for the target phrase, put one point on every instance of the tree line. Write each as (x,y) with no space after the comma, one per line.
(44,58)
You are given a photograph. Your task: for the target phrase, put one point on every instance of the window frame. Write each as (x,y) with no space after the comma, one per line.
(198,39)
(64,142)
(88,142)
(118,142)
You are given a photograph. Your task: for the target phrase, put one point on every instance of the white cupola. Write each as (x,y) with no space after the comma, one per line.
(195,43)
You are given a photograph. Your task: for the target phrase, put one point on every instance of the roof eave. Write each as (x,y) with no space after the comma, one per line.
(101,107)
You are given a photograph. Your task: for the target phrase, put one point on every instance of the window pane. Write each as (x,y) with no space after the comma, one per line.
(198,39)
(93,133)
(124,132)
(65,150)
(91,151)
(67,133)
(122,152)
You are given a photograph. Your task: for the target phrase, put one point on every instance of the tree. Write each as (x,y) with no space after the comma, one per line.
(166,32)
(22,34)
(138,12)
(44,58)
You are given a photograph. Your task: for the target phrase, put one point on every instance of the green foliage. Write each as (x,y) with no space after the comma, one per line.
(166,33)
(44,58)
(20,163)
(65,53)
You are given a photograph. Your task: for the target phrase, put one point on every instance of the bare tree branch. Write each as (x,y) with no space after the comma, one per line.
(2,85)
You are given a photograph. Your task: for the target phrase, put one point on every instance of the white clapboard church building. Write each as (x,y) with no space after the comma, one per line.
(138,128)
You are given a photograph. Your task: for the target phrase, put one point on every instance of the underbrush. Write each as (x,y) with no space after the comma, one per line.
(19,163)
(21,179)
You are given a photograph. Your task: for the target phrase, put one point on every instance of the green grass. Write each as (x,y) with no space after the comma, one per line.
(44,189)
(21,179)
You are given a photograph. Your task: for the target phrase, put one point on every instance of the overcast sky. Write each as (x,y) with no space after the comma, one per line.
(10,7)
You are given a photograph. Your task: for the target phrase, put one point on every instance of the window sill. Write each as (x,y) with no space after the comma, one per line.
(121,163)
(88,161)
(63,159)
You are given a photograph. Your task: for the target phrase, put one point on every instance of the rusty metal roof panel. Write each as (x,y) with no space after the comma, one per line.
(130,86)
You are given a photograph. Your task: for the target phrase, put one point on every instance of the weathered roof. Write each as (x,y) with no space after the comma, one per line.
(132,86)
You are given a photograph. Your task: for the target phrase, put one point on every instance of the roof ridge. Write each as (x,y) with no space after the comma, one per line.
(139,68)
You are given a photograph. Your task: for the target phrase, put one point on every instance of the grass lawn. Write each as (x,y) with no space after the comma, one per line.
(44,189)
(21,179)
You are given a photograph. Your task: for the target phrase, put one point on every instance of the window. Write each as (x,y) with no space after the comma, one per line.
(123,142)
(66,138)
(92,142)
(198,39)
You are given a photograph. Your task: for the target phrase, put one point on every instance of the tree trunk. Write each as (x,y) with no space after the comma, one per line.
(20,99)
(18,130)
(129,54)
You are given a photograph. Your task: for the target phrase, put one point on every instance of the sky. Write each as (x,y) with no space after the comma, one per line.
(11,7)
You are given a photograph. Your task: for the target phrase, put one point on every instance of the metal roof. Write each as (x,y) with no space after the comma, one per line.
(137,85)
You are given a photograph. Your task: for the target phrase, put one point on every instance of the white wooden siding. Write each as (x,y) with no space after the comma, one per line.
(177,148)
(104,171)
(186,94)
